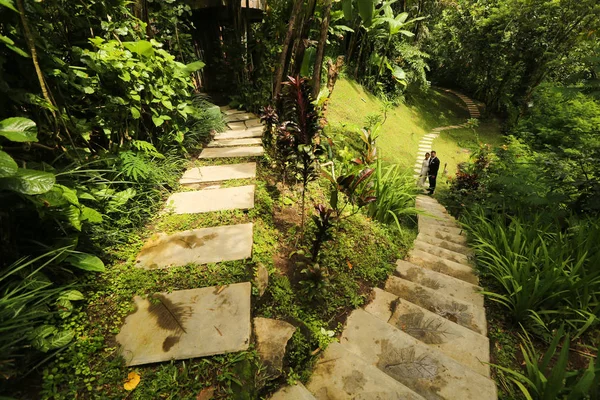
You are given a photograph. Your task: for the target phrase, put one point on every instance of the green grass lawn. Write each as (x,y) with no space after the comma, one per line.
(406,124)
(456,145)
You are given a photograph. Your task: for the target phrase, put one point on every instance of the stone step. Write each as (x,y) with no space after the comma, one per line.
(439,282)
(440,234)
(463,345)
(186,324)
(239,133)
(218,173)
(295,392)
(445,244)
(438,264)
(457,311)
(426,370)
(251,123)
(434,206)
(436,250)
(434,212)
(342,375)
(235,142)
(438,220)
(197,246)
(425,224)
(209,200)
(225,152)
(240,117)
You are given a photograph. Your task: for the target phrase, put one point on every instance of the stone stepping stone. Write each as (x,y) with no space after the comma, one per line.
(434,212)
(218,173)
(441,221)
(426,370)
(444,244)
(440,234)
(235,142)
(232,111)
(296,392)
(197,246)
(457,311)
(441,252)
(236,125)
(340,374)
(442,283)
(240,117)
(186,324)
(209,200)
(227,152)
(433,224)
(459,271)
(251,123)
(461,344)
(240,133)
(271,339)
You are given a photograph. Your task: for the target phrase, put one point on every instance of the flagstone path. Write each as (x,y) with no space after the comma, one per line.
(425,145)
(424,335)
(213,320)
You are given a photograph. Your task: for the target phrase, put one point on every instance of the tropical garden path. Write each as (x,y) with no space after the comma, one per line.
(424,335)
(184,324)
(425,144)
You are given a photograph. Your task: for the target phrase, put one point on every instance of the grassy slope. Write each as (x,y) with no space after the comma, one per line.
(455,146)
(405,124)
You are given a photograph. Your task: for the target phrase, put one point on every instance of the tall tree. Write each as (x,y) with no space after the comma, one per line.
(321,48)
(280,71)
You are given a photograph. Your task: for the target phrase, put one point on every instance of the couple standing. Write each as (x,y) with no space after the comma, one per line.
(431,165)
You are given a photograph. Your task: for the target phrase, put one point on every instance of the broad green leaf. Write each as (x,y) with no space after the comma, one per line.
(73,215)
(347,9)
(69,194)
(60,339)
(158,121)
(72,295)
(29,181)
(193,67)
(366,9)
(307,61)
(125,76)
(90,215)
(8,166)
(86,262)
(167,104)
(65,307)
(141,47)
(8,4)
(88,90)
(18,129)
(135,112)
(53,198)
(120,198)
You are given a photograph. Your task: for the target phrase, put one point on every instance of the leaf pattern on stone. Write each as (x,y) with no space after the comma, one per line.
(403,363)
(169,316)
(427,330)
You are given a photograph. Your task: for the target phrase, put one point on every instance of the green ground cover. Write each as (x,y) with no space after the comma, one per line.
(351,104)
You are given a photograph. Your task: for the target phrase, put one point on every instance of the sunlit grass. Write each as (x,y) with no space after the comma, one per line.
(405,125)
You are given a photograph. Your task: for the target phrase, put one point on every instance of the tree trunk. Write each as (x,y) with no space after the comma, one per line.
(360,52)
(34,57)
(353,40)
(303,40)
(321,49)
(140,11)
(280,71)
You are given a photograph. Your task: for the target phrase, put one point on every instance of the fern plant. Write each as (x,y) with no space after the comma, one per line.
(135,166)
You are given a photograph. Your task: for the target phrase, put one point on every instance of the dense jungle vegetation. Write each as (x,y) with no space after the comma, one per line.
(105,103)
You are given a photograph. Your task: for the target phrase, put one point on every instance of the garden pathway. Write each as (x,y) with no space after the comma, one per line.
(424,336)
(183,324)
(427,140)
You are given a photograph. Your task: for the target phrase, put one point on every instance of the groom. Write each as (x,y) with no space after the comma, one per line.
(434,166)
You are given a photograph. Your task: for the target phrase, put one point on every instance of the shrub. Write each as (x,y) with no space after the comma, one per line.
(542,275)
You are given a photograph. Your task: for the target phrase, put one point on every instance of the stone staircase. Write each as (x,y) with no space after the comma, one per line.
(184,324)
(425,144)
(421,337)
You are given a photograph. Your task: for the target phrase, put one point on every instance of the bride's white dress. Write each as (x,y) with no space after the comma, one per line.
(424,172)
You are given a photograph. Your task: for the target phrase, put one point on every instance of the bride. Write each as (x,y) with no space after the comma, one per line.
(424,170)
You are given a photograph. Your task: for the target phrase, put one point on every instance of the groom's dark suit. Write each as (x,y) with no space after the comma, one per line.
(434,166)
